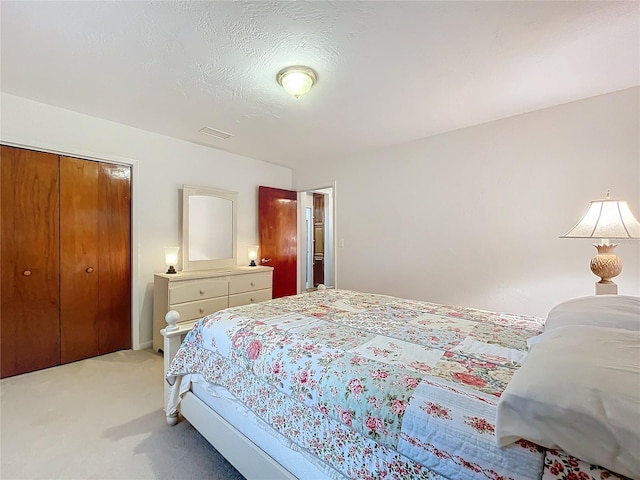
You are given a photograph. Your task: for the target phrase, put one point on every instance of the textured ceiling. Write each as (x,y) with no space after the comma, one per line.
(389,72)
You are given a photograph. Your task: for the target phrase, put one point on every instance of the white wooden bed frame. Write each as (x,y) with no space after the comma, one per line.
(242,453)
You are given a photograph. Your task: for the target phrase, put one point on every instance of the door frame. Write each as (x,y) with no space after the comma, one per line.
(302,238)
(135,259)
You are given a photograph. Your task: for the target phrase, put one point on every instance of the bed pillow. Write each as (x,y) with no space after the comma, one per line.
(578,390)
(615,311)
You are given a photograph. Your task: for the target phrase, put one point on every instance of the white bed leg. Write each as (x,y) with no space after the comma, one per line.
(172,419)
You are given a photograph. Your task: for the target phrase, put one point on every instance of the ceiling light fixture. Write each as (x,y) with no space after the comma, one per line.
(297,80)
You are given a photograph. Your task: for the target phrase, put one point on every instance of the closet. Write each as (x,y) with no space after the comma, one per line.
(65,228)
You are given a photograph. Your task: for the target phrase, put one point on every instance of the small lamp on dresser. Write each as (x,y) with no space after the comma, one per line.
(171,258)
(252,253)
(606,219)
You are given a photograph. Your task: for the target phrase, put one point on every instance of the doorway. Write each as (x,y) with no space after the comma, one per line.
(316,247)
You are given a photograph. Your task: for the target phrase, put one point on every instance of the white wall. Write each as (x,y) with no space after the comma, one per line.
(470,217)
(473,217)
(161,165)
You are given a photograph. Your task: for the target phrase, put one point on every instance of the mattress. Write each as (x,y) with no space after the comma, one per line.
(372,386)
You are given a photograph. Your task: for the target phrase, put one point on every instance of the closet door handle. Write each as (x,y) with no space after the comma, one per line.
(26,273)
(265,260)
(89,270)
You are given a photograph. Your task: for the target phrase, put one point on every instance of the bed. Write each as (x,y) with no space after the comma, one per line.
(341,384)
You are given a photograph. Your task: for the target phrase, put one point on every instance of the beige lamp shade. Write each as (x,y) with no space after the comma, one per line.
(606,219)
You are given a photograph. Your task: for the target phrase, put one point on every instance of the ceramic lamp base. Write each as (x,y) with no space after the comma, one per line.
(606,288)
(606,265)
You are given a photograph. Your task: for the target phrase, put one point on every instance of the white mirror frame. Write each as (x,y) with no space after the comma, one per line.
(188,222)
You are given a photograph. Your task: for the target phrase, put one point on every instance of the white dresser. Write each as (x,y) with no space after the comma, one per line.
(198,293)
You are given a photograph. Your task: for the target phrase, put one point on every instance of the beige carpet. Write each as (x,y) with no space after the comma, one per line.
(99,418)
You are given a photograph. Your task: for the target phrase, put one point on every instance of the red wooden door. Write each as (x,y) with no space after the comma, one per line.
(277,224)
(30,288)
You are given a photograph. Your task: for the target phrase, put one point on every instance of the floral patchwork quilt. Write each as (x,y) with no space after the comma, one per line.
(377,387)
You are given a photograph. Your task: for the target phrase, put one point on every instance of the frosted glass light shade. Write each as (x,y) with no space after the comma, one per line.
(252,253)
(171,258)
(606,219)
(297,80)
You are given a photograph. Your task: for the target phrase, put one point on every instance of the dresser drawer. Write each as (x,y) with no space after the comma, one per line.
(249,282)
(193,290)
(249,297)
(196,310)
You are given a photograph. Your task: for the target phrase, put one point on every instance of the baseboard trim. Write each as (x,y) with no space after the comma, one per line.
(144,345)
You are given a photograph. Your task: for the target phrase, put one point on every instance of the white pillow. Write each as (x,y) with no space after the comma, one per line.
(615,311)
(578,390)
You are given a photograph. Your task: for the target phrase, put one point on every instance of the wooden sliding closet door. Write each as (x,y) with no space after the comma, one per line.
(29,290)
(95,263)
(79,237)
(114,298)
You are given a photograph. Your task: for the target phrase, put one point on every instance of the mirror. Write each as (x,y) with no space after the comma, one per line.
(208,228)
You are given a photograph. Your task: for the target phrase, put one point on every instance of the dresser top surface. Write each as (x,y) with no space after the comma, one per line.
(220,272)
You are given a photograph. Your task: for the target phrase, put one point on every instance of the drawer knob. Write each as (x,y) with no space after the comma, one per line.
(26,273)
(89,270)
(202,291)
(201,310)
(251,300)
(253,284)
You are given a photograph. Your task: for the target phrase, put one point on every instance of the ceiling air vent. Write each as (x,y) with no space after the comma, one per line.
(212,132)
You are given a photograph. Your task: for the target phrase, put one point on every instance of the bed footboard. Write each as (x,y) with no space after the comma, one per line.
(232,444)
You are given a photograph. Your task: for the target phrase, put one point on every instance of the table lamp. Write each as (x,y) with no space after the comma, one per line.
(606,219)
(252,253)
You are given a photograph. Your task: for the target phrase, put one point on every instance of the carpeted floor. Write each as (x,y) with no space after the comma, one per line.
(99,418)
